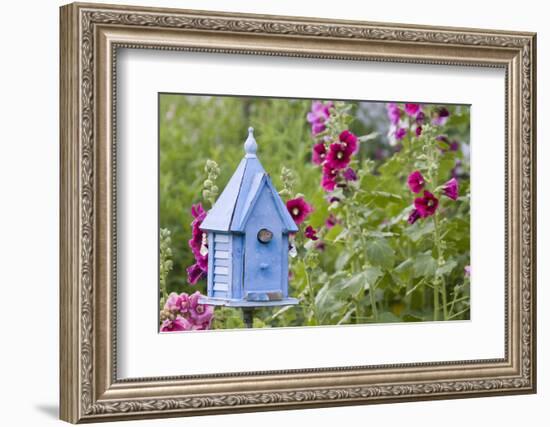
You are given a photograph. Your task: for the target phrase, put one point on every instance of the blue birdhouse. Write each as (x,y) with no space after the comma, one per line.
(247,230)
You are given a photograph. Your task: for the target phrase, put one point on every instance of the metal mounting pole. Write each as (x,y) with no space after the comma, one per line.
(248,316)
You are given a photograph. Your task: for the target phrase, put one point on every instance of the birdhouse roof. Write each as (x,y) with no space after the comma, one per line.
(234,205)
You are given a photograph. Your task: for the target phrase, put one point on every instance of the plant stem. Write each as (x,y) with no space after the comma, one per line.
(373,303)
(311,295)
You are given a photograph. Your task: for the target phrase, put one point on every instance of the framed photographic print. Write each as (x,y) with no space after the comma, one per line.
(303,212)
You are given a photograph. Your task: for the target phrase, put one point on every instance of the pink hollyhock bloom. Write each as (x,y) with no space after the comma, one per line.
(195,273)
(467,271)
(311,233)
(331,221)
(319,153)
(176,302)
(450,188)
(318,115)
(416,182)
(178,324)
(299,209)
(400,133)
(349,175)
(413,216)
(339,155)
(349,139)
(412,109)
(440,116)
(427,205)
(394,113)
(199,314)
(328,181)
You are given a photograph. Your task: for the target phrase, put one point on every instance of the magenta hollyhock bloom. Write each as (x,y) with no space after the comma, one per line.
(440,116)
(400,133)
(349,175)
(339,155)
(311,233)
(299,209)
(328,181)
(454,145)
(450,188)
(177,303)
(467,271)
(394,113)
(349,139)
(416,182)
(319,153)
(178,324)
(418,130)
(412,109)
(199,314)
(413,216)
(427,205)
(195,273)
(331,221)
(319,114)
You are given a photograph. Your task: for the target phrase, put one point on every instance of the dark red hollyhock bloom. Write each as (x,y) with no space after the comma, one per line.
(450,188)
(349,139)
(427,205)
(414,215)
(311,233)
(416,182)
(331,221)
(339,155)
(400,133)
(319,153)
(412,109)
(349,175)
(299,209)
(440,116)
(328,181)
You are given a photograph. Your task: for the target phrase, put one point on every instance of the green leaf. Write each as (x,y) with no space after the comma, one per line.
(424,265)
(379,252)
(419,230)
(446,268)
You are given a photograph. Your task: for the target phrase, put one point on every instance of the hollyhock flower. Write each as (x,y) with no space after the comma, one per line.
(328,181)
(400,133)
(412,109)
(394,113)
(467,271)
(440,116)
(319,153)
(413,216)
(427,205)
(420,118)
(333,199)
(177,303)
(450,188)
(311,233)
(349,175)
(178,324)
(339,155)
(418,130)
(416,182)
(195,273)
(320,246)
(454,145)
(331,221)
(199,314)
(299,209)
(318,115)
(349,139)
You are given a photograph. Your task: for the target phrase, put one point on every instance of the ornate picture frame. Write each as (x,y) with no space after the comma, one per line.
(90,37)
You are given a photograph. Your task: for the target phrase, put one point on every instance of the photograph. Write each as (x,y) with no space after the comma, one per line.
(279,212)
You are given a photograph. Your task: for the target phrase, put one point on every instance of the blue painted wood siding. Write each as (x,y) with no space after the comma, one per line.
(222,268)
(263,263)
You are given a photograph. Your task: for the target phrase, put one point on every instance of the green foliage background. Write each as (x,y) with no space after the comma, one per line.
(196,128)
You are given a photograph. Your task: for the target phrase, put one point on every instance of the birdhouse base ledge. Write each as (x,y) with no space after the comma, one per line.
(243,303)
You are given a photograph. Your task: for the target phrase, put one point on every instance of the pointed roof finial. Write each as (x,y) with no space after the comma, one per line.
(250,146)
